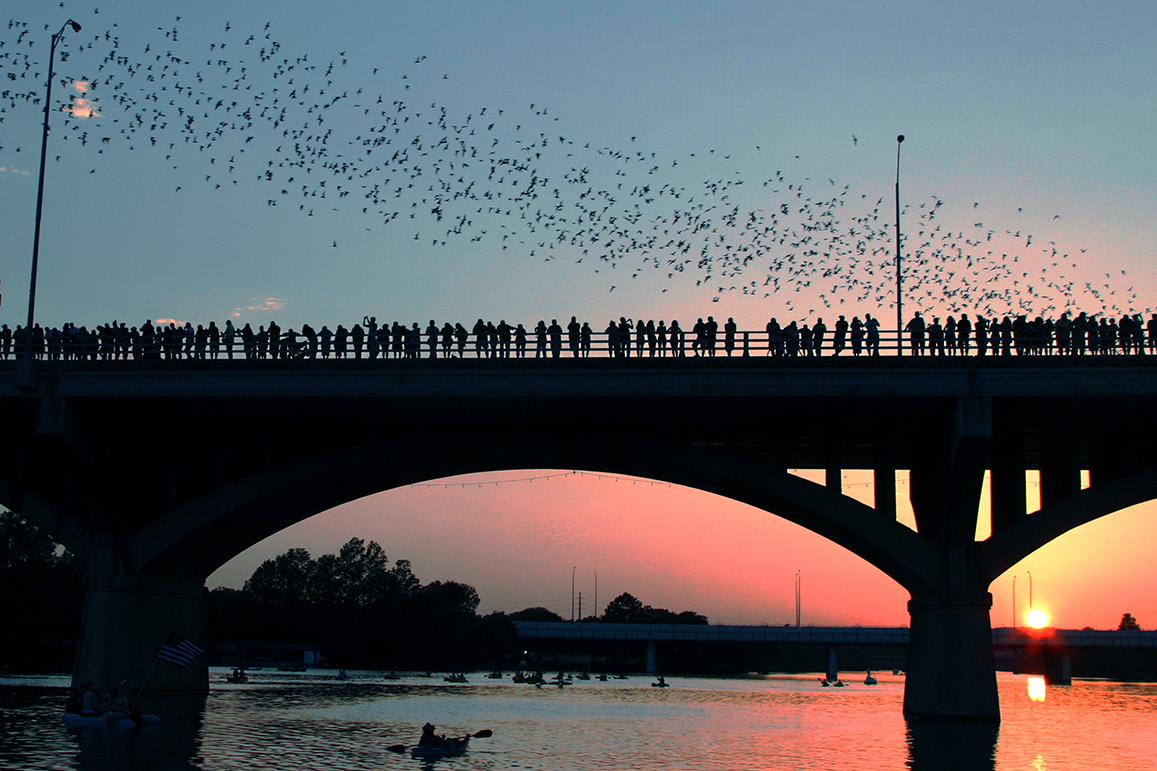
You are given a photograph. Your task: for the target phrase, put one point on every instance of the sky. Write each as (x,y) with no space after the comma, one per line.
(522,160)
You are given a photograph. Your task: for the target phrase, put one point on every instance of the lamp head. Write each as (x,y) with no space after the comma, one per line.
(900,138)
(74,25)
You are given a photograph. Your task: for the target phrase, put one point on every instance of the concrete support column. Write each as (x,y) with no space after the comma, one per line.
(126,621)
(833,673)
(1008,482)
(1058,666)
(885,477)
(1060,472)
(951,666)
(652,659)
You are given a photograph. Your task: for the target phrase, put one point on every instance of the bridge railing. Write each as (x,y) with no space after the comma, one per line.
(786,344)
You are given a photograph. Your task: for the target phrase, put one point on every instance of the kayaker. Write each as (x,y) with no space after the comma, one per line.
(431,739)
(89,703)
(75,699)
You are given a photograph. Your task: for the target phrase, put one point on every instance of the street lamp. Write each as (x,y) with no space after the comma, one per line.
(572,570)
(28,350)
(899,280)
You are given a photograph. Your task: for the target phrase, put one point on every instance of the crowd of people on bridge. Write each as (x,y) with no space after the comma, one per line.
(981,336)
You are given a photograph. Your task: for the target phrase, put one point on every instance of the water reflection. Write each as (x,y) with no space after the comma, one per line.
(951,746)
(175,746)
(1037,688)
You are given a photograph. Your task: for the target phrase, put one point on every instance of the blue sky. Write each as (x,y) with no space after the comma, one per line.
(1029,122)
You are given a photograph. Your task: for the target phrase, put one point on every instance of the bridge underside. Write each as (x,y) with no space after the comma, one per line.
(159,480)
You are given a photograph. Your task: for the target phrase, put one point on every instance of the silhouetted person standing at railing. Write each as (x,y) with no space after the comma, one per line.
(677,339)
(520,342)
(729,329)
(839,339)
(652,337)
(774,338)
(935,337)
(612,333)
(915,329)
(274,340)
(325,336)
(981,335)
(963,334)
(357,337)
(699,344)
(791,339)
(480,344)
(711,329)
(585,335)
(447,334)
(950,336)
(819,330)
(573,330)
(432,338)
(1006,336)
(857,330)
(624,336)
(540,340)
(554,332)
(872,332)
(460,337)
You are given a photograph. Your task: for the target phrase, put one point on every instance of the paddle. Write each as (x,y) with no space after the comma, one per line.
(485,733)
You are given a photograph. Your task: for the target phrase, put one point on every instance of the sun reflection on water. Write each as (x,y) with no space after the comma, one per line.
(1037,688)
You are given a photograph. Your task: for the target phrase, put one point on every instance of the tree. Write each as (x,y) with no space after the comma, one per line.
(627,609)
(41,595)
(284,581)
(1128,623)
(535,614)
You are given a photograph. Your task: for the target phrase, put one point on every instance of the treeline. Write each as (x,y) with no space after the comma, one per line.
(361,610)
(41,599)
(358,607)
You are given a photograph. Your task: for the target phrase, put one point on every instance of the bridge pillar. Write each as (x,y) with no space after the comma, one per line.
(1058,666)
(833,673)
(126,621)
(951,666)
(652,659)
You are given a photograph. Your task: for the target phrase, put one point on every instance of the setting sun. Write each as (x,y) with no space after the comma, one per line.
(1037,618)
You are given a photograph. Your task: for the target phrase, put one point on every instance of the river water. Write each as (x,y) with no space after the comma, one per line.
(313,721)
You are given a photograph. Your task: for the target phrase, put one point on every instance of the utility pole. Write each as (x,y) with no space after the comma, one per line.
(899,275)
(797,597)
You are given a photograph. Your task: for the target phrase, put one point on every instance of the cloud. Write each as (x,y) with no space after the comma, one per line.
(81,107)
(268,304)
(14,170)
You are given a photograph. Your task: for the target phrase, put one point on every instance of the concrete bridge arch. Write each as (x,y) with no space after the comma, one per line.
(159,474)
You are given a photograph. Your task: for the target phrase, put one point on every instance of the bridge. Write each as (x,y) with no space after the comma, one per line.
(158,472)
(1055,644)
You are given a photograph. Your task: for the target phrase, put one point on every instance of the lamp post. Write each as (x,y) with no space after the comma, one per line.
(899,279)
(797,597)
(572,570)
(28,349)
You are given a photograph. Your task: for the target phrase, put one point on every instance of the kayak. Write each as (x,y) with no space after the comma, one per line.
(117,719)
(455,747)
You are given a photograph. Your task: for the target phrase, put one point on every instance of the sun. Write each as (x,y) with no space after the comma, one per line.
(1037,618)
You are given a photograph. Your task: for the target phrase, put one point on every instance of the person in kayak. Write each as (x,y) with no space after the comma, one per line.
(431,739)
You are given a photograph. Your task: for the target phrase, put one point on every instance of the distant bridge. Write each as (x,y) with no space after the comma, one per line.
(1003,637)
(158,472)
(1053,645)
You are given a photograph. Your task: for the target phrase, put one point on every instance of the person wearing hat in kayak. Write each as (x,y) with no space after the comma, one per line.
(431,739)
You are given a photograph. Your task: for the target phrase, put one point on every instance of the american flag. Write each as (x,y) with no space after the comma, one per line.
(177,650)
